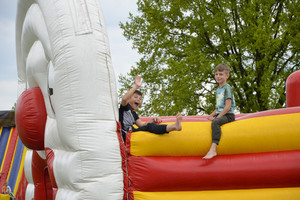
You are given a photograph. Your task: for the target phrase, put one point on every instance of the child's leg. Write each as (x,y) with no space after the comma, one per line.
(162,128)
(216,134)
(154,128)
(216,128)
(177,126)
(212,151)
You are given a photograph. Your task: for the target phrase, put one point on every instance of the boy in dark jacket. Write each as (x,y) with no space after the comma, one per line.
(128,117)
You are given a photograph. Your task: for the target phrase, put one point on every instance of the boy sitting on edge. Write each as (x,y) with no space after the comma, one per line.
(128,117)
(224,112)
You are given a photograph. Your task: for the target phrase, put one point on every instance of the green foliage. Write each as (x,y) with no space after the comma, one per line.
(14,106)
(181,41)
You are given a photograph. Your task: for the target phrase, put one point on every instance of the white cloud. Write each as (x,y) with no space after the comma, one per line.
(8,67)
(8,94)
(123,56)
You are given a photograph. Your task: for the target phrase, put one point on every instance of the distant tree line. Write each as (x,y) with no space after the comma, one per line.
(181,41)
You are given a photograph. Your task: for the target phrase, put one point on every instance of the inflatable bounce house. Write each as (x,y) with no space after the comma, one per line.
(67,117)
(12,156)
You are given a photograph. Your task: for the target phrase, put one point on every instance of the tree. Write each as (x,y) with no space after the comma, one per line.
(14,106)
(181,41)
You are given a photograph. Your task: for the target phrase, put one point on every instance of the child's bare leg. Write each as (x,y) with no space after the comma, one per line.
(178,122)
(177,126)
(212,151)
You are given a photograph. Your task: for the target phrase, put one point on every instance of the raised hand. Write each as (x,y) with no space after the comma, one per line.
(138,81)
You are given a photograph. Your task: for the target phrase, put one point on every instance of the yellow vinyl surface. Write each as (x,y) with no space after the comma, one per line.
(4,196)
(254,135)
(253,194)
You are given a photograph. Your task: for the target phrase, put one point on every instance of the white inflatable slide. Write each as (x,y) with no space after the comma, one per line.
(63,50)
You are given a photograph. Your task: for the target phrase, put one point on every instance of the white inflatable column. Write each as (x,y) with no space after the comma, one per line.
(62,47)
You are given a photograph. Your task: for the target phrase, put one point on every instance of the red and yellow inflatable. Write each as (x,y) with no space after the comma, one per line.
(258,158)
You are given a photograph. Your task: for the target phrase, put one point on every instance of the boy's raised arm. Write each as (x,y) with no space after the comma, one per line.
(129,93)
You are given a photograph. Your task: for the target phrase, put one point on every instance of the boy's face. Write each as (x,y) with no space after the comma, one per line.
(221,77)
(135,101)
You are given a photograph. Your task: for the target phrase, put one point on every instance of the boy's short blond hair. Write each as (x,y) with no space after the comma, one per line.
(222,67)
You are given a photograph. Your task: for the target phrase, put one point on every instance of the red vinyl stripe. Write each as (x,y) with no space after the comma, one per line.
(124,160)
(22,187)
(281,111)
(200,118)
(9,155)
(247,171)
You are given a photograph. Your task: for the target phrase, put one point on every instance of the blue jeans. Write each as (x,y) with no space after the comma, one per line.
(216,126)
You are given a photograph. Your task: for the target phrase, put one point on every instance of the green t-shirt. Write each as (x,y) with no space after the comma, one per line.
(222,94)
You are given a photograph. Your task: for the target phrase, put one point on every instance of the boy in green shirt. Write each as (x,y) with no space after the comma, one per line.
(225,106)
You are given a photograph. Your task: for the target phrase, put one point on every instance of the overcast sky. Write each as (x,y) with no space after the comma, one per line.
(123,56)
